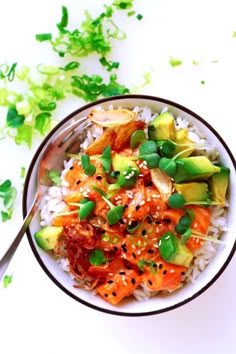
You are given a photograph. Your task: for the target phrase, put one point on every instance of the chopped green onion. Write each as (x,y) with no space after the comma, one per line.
(43,122)
(22,172)
(113,239)
(175,62)
(71,66)
(8,194)
(7,72)
(47,106)
(139,17)
(123,4)
(109,64)
(64,18)
(139,240)
(54,175)
(41,37)
(14,120)
(7,280)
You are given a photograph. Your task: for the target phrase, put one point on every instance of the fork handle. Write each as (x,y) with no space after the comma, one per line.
(6,259)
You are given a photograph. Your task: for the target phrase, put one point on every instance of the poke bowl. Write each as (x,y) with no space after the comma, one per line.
(139,218)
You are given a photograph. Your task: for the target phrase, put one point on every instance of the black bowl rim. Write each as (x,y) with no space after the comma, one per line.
(26,185)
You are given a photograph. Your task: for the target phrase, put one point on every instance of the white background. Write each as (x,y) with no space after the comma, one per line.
(35,316)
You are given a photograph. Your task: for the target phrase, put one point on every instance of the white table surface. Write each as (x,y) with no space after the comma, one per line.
(35,316)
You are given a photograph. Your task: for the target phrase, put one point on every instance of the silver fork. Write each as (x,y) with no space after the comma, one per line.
(51,157)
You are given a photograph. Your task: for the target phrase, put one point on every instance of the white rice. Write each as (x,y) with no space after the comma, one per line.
(53,202)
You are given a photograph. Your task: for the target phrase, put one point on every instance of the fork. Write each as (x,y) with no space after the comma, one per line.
(68,139)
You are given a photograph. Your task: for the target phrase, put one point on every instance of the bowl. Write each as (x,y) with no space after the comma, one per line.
(159,303)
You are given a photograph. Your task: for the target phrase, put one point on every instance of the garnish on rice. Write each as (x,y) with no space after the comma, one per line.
(136,212)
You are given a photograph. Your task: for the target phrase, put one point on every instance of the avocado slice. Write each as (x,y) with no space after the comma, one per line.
(162,127)
(173,251)
(128,170)
(193,191)
(218,185)
(194,168)
(183,139)
(47,238)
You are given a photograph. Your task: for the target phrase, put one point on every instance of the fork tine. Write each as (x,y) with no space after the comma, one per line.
(79,137)
(55,152)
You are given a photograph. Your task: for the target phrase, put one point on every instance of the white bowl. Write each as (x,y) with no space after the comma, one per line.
(158,304)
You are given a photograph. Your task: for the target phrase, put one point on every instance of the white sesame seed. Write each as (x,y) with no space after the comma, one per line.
(167,238)
(81,190)
(172,271)
(139,251)
(142,202)
(157,229)
(124,172)
(129,215)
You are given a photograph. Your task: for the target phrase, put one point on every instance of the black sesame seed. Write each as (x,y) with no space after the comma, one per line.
(125,206)
(150,251)
(71,168)
(149,184)
(78,182)
(128,267)
(124,248)
(164,271)
(183,273)
(150,282)
(110,281)
(114,293)
(160,266)
(168,221)
(157,222)
(137,207)
(115,248)
(149,220)
(121,222)
(106,295)
(116,172)
(99,177)
(133,281)
(103,232)
(122,273)
(144,232)
(134,255)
